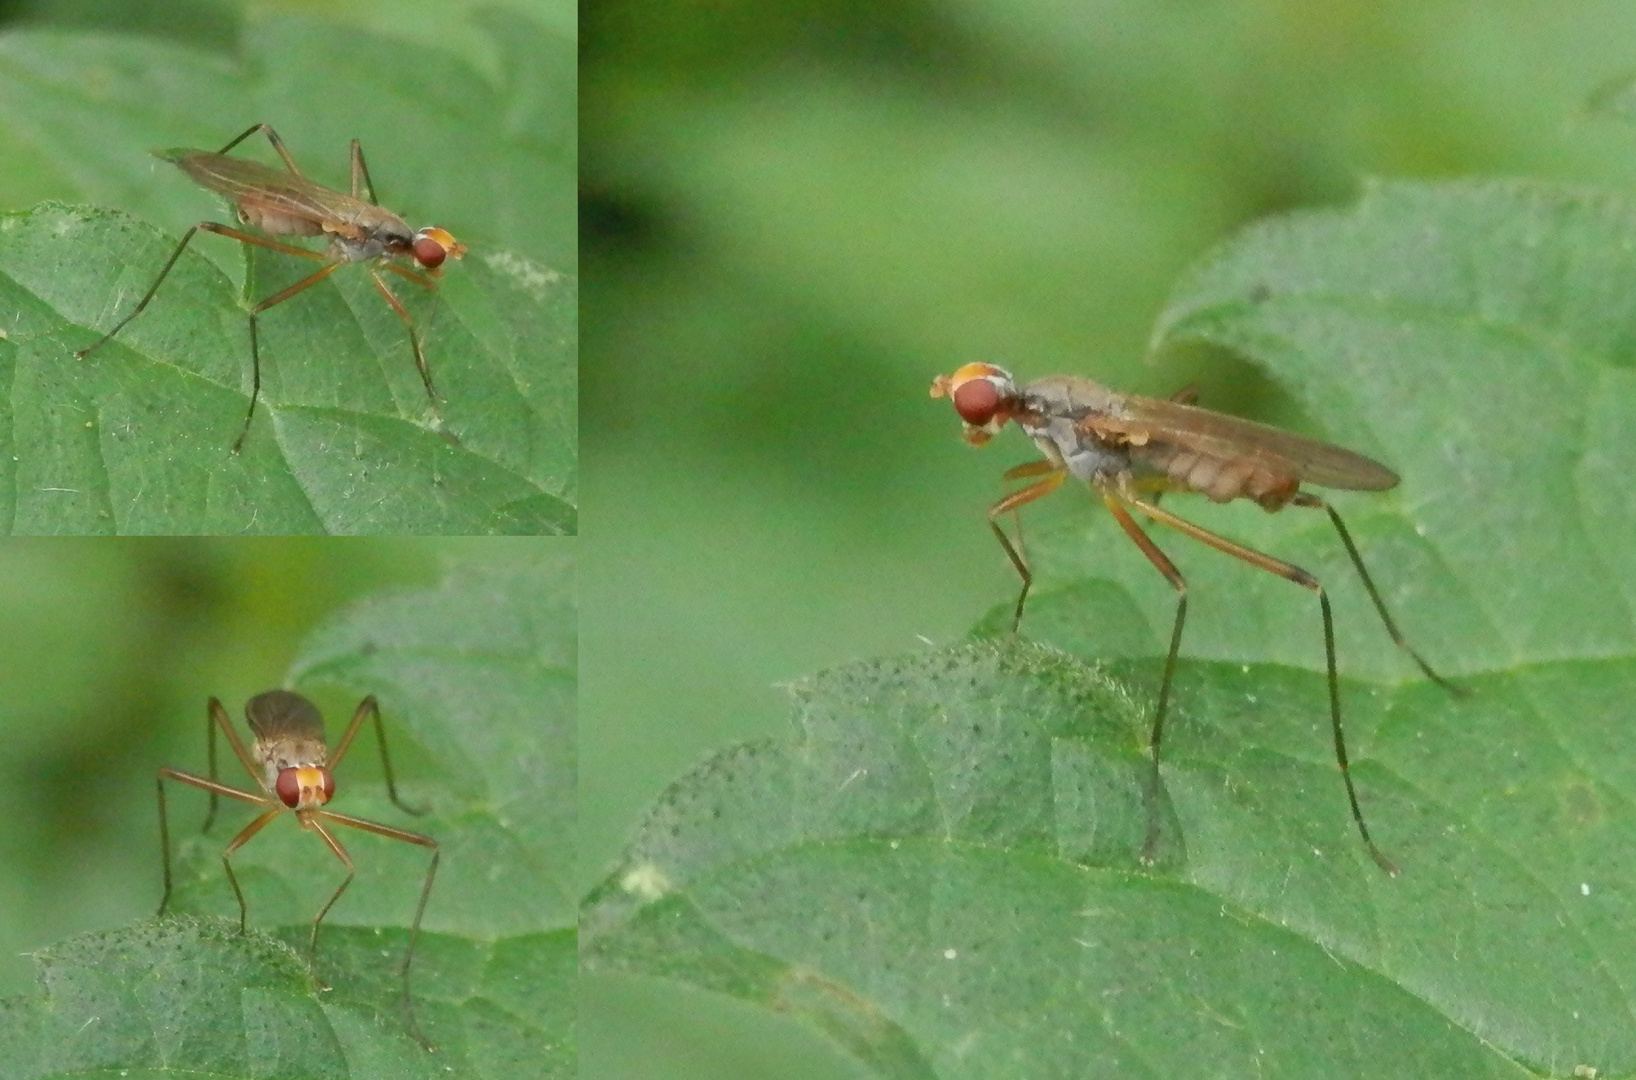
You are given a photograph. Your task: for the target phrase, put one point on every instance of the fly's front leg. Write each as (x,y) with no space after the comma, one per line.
(1053,475)
(215,788)
(316,819)
(414,338)
(340,853)
(239,841)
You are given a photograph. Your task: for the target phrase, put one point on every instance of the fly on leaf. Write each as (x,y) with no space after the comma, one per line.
(1132,449)
(285,203)
(294,770)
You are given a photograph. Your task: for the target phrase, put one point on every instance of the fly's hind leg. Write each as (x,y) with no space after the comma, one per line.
(272,137)
(1315,503)
(1289,572)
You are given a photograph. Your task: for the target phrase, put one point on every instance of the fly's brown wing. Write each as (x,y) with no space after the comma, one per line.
(280,715)
(1184,439)
(262,187)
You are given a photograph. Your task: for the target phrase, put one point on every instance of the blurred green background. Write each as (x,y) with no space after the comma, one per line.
(794,215)
(111,649)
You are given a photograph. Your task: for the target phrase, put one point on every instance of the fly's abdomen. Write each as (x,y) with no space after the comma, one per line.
(1221,479)
(277,223)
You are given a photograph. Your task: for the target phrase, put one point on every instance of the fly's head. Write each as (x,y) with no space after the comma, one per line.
(432,245)
(984,395)
(297,772)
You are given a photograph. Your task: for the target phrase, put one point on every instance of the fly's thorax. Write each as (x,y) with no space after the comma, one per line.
(290,754)
(1086,457)
(372,232)
(381,222)
(361,249)
(1070,396)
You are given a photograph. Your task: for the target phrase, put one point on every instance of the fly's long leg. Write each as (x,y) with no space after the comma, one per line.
(1289,572)
(272,137)
(289,162)
(369,708)
(414,339)
(239,841)
(419,277)
(277,298)
(420,907)
(216,717)
(1150,796)
(425,281)
(346,861)
(208,226)
(360,175)
(278,145)
(246,238)
(142,303)
(1054,476)
(409,953)
(255,349)
(215,789)
(261,241)
(1314,502)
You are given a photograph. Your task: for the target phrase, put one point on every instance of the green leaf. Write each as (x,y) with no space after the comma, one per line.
(477,684)
(135,438)
(940,867)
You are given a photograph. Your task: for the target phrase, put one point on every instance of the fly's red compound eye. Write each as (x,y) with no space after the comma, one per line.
(429,253)
(432,245)
(976,401)
(289,787)
(304,786)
